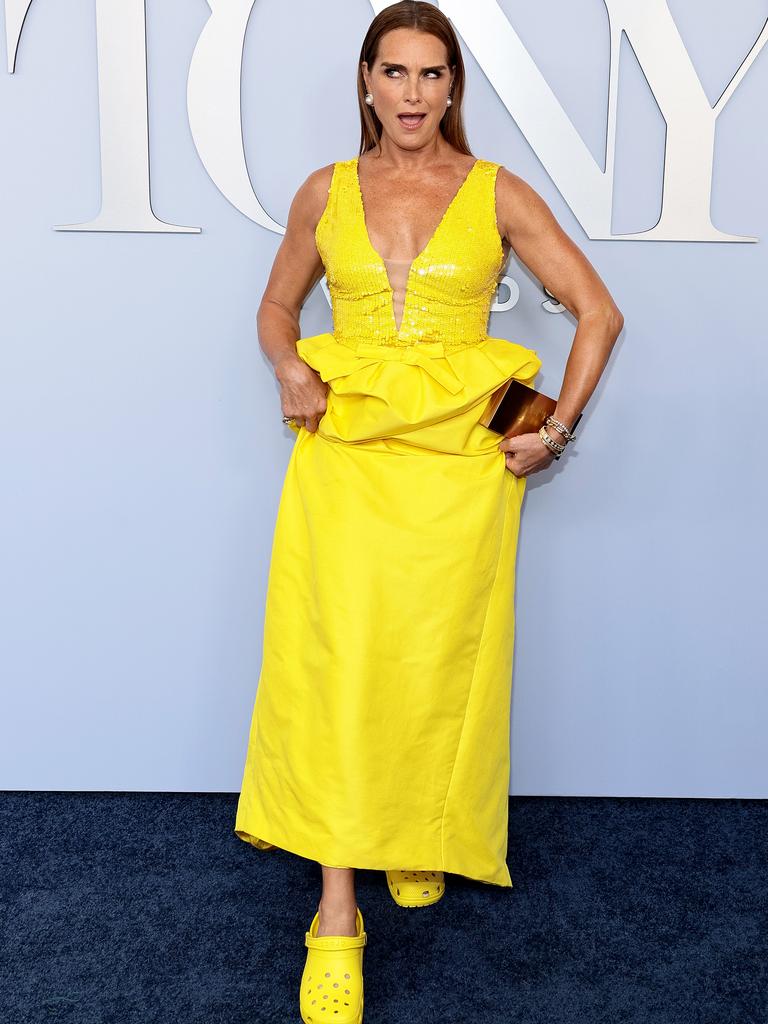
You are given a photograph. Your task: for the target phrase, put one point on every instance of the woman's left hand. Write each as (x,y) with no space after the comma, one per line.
(526,454)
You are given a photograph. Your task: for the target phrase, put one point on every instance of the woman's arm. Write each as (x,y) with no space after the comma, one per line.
(526,221)
(296,270)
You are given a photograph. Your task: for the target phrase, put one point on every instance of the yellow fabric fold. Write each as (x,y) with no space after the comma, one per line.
(424,395)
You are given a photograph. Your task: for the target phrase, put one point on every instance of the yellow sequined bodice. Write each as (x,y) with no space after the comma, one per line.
(449,286)
(409,365)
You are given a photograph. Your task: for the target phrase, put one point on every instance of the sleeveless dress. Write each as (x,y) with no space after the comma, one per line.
(380,730)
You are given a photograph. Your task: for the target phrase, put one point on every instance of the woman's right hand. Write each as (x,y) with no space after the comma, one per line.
(302,392)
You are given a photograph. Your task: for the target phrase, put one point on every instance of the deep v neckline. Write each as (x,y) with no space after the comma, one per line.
(419,256)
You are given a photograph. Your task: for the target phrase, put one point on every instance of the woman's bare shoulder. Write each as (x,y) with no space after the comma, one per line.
(312,195)
(515,192)
(520,210)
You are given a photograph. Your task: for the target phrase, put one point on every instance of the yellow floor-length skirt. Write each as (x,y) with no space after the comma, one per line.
(380,730)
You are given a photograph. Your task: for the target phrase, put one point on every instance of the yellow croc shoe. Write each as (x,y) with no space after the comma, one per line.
(416,888)
(332,982)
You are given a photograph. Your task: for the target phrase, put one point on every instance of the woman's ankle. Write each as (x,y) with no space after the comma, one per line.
(337,918)
(337,905)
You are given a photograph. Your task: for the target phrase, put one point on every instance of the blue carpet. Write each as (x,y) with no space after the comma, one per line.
(139,908)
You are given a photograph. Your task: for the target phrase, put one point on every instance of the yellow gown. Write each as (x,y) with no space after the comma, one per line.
(380,729)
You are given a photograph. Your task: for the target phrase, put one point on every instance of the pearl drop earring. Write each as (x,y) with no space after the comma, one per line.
(369,99)
(448,102)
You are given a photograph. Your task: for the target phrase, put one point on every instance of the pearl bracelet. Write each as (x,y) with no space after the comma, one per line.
(554,446)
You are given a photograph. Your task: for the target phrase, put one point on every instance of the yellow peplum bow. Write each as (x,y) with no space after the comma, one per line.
(422,353)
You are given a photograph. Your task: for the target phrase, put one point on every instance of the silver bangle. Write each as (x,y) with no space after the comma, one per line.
(560,428)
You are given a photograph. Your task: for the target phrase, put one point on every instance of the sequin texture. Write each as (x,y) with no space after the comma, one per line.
(450,284)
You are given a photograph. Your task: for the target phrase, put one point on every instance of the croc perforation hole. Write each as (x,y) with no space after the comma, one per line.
(347,975)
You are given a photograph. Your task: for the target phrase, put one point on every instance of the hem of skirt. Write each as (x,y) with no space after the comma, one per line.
(366,865)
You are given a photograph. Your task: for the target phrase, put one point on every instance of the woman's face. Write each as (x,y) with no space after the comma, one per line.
(409,76)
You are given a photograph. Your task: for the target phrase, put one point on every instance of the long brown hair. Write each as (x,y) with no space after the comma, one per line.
(424,17)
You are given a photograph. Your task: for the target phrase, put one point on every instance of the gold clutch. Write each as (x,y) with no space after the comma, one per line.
(515,408)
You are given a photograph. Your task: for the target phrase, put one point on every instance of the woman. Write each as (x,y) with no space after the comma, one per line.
(380,731)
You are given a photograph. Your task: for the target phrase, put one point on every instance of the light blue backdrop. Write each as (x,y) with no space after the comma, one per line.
(143,454)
